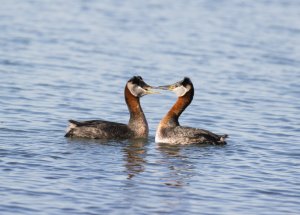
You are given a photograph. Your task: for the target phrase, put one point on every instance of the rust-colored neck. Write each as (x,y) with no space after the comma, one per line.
(137,121)
(171,118)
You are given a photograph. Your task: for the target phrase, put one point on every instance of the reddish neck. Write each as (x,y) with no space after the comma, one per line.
(171,118)
(137,121)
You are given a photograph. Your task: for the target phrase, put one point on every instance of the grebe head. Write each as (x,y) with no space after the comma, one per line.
(180,87)
(138,87)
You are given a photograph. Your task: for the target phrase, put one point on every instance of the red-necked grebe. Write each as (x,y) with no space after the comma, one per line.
(137,126)
(169,129)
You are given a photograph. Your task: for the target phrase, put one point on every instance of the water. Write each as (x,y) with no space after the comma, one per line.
(71,59)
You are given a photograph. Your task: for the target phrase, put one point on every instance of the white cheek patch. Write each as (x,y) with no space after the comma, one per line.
(136,90)
(181,91)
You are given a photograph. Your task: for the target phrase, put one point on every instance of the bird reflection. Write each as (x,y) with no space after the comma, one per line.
(169,150)
(180,168)
(135,154)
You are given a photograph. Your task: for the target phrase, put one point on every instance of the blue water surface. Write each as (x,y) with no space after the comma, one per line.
(63,60)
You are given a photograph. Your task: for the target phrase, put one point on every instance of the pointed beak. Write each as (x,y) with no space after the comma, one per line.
(149,90)
(167,87)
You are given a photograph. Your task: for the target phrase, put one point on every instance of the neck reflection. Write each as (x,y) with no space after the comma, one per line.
(134,156)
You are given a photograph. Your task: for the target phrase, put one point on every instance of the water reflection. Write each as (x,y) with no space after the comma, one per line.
(169,150)
(180,168)
(135,153)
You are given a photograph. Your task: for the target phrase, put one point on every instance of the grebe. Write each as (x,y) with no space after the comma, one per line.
(137,126)
(169,129)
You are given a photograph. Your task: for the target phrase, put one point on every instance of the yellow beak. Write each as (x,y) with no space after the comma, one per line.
(167,87)
(148,90)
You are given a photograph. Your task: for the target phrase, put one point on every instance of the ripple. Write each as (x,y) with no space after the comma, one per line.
(72,62)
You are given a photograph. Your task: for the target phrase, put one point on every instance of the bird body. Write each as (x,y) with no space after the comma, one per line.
(170,131)
(137,126)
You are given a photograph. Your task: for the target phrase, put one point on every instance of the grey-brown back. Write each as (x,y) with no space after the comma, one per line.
(98,129)
(188,135)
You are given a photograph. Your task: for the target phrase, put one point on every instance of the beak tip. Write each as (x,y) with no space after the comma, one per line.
(165,88)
